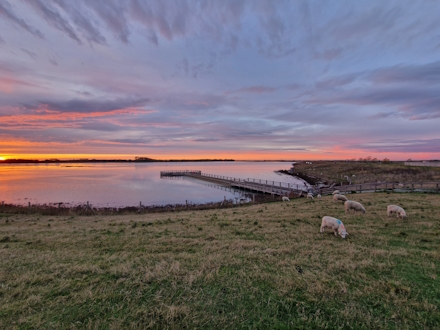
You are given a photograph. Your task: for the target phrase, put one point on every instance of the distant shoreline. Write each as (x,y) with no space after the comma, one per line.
(56,161)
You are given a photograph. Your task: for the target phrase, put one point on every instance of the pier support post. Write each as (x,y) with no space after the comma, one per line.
(3,204)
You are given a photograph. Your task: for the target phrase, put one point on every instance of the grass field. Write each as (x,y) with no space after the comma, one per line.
(365,172)
(257,266)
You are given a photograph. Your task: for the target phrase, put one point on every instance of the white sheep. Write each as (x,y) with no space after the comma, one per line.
(285,199)
(309,195)
(396,209)
(319,196)
(335,224)
(338,197)
(336,192)
(353,205)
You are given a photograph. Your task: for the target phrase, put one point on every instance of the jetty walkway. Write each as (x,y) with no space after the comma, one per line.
(285,189)
(262,186)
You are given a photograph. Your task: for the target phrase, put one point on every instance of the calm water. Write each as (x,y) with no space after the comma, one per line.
(116,185)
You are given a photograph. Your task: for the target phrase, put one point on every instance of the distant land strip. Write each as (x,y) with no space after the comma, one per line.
(87,160)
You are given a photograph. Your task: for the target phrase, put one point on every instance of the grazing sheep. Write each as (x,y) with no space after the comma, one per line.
(336,192)
(396,209)
(352,205)
(319,196)
(335,224)
(285,199)
(338,197)
(309,195)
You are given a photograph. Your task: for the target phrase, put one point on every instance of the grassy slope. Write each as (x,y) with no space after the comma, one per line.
(369,171)
(259,266)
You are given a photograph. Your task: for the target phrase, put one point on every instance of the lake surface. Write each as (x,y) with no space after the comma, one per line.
(126,184)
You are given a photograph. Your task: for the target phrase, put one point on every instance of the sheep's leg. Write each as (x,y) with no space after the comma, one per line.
(336,232)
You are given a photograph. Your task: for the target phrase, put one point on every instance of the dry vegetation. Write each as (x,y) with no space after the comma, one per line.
(365,172)
(256,266)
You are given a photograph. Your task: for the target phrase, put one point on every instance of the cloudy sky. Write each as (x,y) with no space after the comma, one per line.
(258,79)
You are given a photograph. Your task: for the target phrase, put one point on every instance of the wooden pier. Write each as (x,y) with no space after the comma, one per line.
(262,186)
(285,189)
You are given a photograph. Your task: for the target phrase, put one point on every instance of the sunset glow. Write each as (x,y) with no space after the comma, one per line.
(244,80)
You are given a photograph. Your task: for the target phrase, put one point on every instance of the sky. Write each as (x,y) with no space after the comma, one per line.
(258,79)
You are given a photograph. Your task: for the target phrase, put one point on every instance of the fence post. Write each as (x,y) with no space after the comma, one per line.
(3,204)
(29,207)
(412,187)
(437,188)
(375,187)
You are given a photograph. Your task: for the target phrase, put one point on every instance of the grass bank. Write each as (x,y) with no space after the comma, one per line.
(258,266)
(365,172)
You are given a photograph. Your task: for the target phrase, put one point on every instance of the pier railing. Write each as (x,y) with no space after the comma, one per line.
(285,188)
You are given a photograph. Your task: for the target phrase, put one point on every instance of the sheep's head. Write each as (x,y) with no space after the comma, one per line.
(403,215)
(343,233)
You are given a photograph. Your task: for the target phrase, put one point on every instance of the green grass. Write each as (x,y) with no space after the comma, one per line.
(258,266)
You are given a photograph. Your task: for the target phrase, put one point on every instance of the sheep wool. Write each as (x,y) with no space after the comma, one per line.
(396,209)
(335,224)
(338,197)
(353,205)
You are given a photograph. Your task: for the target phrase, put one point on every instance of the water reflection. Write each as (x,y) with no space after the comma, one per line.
(124,184)
(244,196)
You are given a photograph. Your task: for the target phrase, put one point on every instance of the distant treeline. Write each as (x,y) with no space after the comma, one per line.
(86,160)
